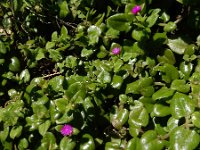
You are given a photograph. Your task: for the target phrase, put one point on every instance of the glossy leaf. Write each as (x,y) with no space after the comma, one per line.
(50,45)
(182,138)
(160,110)
(117,81)
(132,143)
(149,141)
(25,75)
(120,22)
(56,83)
(16,132)
(4,133)
(23,144)
(181,105)
(170,27)
(177,45)
(3,49)
(93,34)
(44,127)
(136,86)
(48,141)
(180,86)
(196,119)
(14,65)
(172,123)
(168,57)
(163,93)
(87,142)
(120,119)
(151,20)
(67,144)
(138,115)
(64,10)
(112,146)
(86,53)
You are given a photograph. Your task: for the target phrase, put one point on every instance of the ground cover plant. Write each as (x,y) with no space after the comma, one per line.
(107,74)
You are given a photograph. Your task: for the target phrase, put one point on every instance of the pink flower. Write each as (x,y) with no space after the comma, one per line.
(67,130)
(136,9)
(116,50)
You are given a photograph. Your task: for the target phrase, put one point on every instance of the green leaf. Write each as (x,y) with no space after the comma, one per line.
(180,86)
(64,9)
(170,27)
(172,123)
(14,66)
(181,105)
(177,45)
(120,22)
(87,142)
(61,104)
(40,54)
(112,146)
(67,144)
(136,86)
(56,83)
(40,110)
(23,144)
(93,34)
(168,57)
(138,115)
(141,34)
(48,142)
(165,17)
(25,76)
(50,45)
(86,53)
(147,91)
(44,127)
(160,110)
(112,33)
(103,52)
(117,65)
(196,119)
(3,49)
(4,133)
(120,119)
(54,36)
(15,132)
(134,131)
(71,61)
(163,93)
(76,90)
(186,69)
(149,141)
(2,61)
(104,77)
(168,72)
(55,55)
(132,143)
(151,20)
(182,138)
(159,39)
(117,82)
(17,4)
(198,40)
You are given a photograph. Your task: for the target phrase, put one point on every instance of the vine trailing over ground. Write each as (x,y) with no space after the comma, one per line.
(85,74)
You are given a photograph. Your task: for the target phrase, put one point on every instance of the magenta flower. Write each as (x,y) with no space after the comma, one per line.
(116,50)
(136,9)
(67,130)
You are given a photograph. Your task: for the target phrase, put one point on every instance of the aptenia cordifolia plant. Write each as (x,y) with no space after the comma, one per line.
(94,75)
